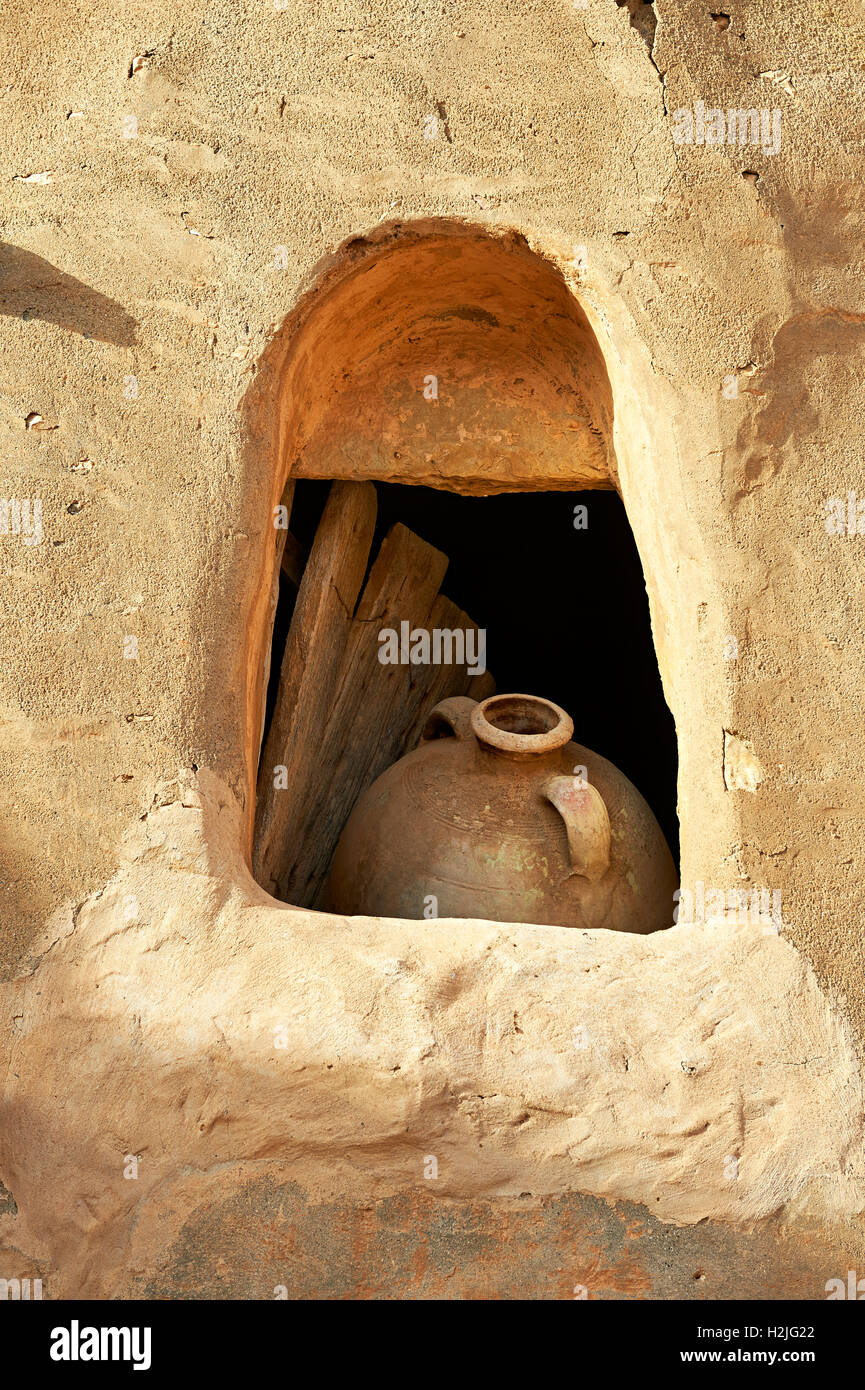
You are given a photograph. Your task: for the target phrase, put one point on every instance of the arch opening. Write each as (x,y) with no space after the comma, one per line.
(454,375)
(435,353)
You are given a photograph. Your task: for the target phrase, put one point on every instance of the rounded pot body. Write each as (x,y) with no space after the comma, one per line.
(498,815)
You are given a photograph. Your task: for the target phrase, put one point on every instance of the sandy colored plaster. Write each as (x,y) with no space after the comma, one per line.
(699,1072)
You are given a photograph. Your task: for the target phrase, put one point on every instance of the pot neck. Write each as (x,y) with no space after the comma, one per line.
(522,728)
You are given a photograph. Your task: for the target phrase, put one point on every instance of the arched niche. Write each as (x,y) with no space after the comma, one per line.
(438,353)
(434,354)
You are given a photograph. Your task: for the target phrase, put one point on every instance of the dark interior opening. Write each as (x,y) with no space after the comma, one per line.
(565,612)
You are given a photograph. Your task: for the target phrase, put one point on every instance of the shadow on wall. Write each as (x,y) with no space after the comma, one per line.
(33,288)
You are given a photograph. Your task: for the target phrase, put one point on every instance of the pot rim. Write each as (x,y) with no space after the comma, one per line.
(545,725)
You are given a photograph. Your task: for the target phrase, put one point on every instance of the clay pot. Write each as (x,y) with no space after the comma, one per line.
(487,819)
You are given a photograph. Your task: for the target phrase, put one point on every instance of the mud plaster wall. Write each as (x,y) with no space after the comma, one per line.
(171,251)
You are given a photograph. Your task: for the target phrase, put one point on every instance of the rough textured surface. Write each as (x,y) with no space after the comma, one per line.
(224,1041)
(152,273)
(276,1243)
(433,353)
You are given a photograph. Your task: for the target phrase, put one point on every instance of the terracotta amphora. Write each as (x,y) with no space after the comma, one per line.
(498,815)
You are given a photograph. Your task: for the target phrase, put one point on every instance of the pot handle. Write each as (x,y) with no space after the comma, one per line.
(587,822)
(449,718)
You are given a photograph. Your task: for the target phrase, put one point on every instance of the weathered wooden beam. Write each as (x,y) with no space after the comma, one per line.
(314,658)
(446,680)
(374,706)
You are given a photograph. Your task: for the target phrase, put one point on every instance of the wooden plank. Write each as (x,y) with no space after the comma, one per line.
(309,680)
(446,680)
(374,706)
